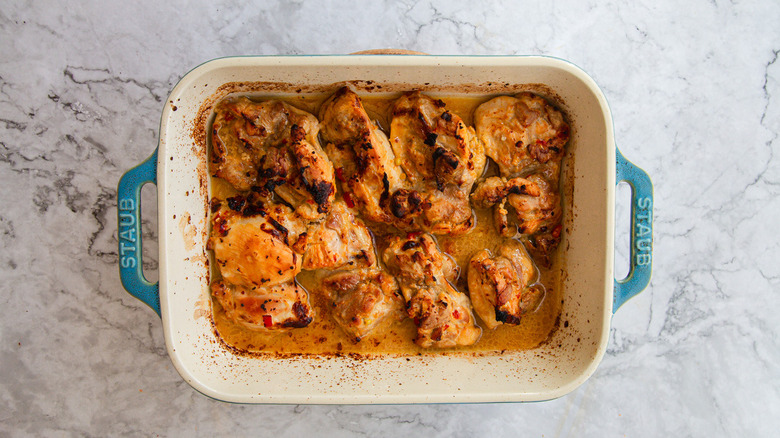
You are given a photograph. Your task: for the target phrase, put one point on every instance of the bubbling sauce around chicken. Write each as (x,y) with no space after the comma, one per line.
(363,310)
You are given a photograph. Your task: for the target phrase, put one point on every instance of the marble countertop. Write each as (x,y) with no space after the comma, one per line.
(694,88)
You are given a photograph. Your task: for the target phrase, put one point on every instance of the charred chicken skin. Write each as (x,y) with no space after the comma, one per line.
(257,265)
(364,160)
(421,178)
(272,147)
(441,158)
(442,314)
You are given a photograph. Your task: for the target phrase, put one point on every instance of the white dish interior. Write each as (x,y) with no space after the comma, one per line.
(549,371)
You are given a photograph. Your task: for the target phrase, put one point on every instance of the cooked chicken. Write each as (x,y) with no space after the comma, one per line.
(521,133)
(503,288)
(362,298)
(251,239)
(536,204)
(364,160)
(441,158)
(496,189)
(442,314)
(272,147)
(251,243)
(417,258)
(526,136)
(339,242)
(283,305)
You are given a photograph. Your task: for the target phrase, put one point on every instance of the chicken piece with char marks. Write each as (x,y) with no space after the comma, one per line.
(280,306)
(526,137)
(536,204)
(442,314)
(361,293)
(272,146)
(504,288)
(252,241)
(441,158)
(521,133)
(251,244)
(361,153)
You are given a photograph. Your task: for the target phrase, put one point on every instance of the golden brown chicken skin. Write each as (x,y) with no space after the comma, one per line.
(277,307)
(503,288)
(535,202)
(441,158)
(272,146)
(521,132)
(340,241)
(526,137)
(442,314)
(251,239)
(362,299)
(252,245)
(365,162)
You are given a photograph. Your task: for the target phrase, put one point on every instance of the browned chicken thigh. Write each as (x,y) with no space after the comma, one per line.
(421,179)
(536,203)
(503,288)
(272,147)
(251,243)
(340,241)
(442,314)
(280,306)
(362,299)
(526,137)
(362,293)
(364,161)
(521,133)
(441,158)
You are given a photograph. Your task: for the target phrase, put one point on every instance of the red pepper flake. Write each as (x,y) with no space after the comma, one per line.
(456,314)
(340,174)
(348,200)
(556,232)
(267,322)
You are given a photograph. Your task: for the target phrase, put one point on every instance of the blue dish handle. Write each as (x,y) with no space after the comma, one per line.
(641,231)
(129,223)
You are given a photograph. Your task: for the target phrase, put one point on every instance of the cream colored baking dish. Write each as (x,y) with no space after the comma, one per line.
(179,169)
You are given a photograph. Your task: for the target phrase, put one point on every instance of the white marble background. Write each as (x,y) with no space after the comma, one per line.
(695,92)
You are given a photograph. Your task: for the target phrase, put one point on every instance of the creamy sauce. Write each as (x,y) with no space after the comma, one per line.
(396,335)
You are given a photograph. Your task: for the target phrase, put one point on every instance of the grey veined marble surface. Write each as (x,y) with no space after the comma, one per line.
(695,93)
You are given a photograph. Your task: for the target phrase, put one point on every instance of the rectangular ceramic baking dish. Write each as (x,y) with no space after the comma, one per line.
(178,168)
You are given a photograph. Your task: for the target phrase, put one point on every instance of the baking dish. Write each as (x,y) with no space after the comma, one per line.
(178,168)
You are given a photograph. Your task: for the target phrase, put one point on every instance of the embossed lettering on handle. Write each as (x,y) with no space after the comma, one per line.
(129,232)
(643,231)
(641,263)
